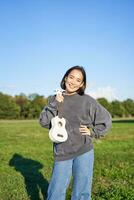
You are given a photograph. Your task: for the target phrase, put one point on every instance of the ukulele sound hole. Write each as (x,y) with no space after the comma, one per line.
(59,124)
(59,135)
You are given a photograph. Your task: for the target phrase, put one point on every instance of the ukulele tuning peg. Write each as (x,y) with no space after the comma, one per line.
(58,91)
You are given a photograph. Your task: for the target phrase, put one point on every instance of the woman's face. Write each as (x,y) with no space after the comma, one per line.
(73,81)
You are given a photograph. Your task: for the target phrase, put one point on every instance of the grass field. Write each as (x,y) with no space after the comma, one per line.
(26,162)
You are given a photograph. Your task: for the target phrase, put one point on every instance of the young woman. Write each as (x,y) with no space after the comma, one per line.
(85,119)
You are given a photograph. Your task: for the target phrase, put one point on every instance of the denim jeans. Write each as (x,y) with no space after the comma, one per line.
(81,168)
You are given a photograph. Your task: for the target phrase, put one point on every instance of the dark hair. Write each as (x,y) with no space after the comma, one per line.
(80,68)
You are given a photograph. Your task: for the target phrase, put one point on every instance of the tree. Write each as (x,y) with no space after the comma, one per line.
(23,103)
(129,107)
(36,106)
(32,96)
(8,108)
(105,103)
(117,109)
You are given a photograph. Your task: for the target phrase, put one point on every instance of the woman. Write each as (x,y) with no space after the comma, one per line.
(85,119)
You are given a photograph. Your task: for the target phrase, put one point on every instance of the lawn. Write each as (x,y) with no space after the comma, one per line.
(26,161)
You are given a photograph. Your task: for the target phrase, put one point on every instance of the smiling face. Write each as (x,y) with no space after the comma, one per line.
(74,81)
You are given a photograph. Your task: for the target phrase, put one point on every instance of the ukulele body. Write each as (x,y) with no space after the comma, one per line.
(58,132)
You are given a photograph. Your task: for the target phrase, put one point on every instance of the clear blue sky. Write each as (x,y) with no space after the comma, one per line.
(41,39)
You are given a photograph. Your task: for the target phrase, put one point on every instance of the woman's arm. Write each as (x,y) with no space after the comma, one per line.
(101,121)
(48,113)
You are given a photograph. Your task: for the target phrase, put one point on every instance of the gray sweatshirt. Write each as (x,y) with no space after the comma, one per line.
(77,109)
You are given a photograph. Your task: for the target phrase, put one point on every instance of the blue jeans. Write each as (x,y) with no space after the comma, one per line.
(81,168)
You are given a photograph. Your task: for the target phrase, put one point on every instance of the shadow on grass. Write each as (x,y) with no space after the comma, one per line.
(34,180)
(123,121)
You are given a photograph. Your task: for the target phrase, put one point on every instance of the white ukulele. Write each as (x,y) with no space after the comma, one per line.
(58,132)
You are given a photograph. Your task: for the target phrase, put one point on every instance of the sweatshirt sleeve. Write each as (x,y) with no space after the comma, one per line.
(101,121)
(48,113)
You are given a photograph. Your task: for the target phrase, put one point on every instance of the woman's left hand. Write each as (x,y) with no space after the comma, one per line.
(84,130)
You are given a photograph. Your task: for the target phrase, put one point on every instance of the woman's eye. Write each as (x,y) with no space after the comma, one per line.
(71,77)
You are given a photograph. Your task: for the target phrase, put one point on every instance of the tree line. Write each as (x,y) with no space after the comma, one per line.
(29,107)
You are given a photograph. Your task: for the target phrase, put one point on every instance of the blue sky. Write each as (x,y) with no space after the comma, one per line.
(41,39)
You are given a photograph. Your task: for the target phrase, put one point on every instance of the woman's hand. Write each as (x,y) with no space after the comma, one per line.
(59,97)
(84,130)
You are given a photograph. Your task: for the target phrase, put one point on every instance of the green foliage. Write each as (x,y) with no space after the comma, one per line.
(129,107)
(22,101)
(21,106)
(117,109)
(30,107)
(105,103)
(8,108)
(26,162)
(36,106)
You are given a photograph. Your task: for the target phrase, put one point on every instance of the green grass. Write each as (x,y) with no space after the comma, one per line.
(26,162)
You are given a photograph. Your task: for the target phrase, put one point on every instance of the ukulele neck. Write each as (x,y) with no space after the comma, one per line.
(60,109)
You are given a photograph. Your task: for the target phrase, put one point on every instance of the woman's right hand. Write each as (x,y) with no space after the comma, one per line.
(59,97)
